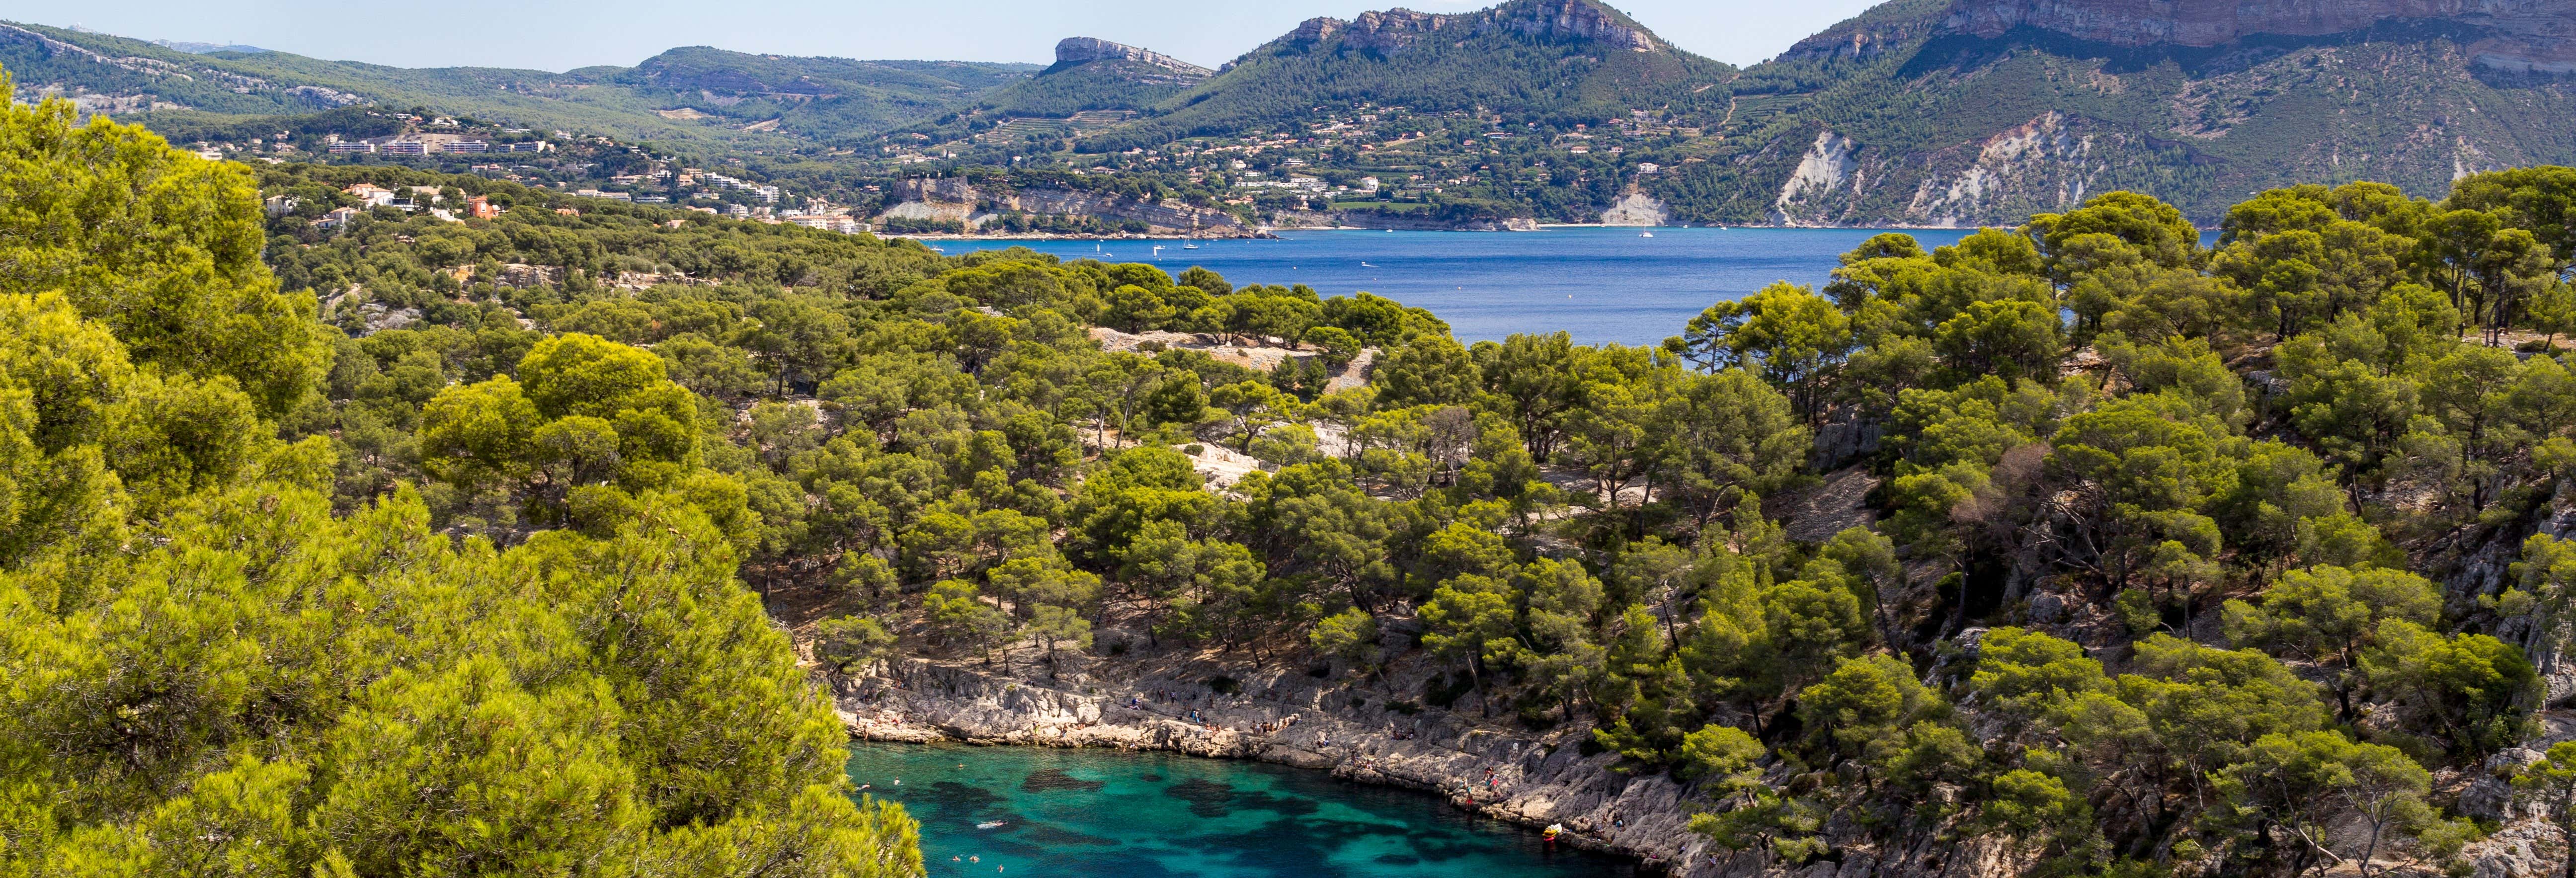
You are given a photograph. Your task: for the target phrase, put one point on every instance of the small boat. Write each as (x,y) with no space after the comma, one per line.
(1552,831)
(1185,245)
(1645,234)
(1366,265)
(990,824)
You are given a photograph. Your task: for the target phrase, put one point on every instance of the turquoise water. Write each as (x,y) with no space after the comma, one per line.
(1600,285)
(1087,813)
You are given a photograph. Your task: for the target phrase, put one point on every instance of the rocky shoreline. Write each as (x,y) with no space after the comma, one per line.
(1291,718)
(1288,716)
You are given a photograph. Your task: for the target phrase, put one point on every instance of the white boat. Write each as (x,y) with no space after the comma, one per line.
(989,824)
(1185,245)
(1645,234)
(1366,265)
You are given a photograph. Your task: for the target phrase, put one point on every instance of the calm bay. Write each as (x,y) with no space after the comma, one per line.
(1043,812)
(1598,284)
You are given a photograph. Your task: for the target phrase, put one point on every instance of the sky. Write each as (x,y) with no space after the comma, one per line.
(565,34)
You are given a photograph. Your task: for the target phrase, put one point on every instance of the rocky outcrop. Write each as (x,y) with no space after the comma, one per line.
(1635,209)
(2040,164)
(1288,717)
(1284,714)
(1820,173)
(1395,30)
(2512,34)
(1084,50)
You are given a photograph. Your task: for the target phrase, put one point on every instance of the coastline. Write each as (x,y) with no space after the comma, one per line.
(1290,718)
(1274,232)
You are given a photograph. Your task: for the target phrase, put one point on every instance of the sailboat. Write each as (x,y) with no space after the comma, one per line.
(1186,245)
(1645,234)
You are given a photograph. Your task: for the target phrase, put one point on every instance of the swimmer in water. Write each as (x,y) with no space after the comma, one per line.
(975,859)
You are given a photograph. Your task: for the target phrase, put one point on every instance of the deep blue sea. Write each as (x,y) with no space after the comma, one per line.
(1599,284)
(1039,812)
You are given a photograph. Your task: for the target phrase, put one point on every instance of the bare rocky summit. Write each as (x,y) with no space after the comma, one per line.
(1084,50)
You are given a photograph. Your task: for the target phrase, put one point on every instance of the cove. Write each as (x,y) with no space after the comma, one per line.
(1597,284)
(1080,813)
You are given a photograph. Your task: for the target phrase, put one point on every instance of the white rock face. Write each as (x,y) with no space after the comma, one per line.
(2044,163)
(1637,209)
(1821,172)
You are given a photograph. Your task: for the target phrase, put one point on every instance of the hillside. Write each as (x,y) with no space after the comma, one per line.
(1916,112)
(693,95)
(1981,110)
(1094,74)
(1555,61)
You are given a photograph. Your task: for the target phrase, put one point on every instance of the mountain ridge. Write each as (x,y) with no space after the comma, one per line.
(1914,112)
(2522,35)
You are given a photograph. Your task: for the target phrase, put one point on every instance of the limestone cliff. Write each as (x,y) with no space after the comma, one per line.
(2512,34)
(1084,50)
(1396,30)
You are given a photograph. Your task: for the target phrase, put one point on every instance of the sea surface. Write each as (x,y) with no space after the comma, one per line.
(1598,284)
(1104,813)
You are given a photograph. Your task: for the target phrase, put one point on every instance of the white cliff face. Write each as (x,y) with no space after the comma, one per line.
(1821,172)
(1635,209)
(2043,164)
(1084,50)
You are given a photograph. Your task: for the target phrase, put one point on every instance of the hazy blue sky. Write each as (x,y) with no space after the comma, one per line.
(563,34)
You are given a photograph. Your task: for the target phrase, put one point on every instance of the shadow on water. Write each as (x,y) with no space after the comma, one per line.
(1051,779)
(1105,813)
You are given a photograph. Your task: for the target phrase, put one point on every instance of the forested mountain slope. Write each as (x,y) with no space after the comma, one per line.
(1917,112)
(1556,61)
(1091,74)
(695,95)
(1979,110)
